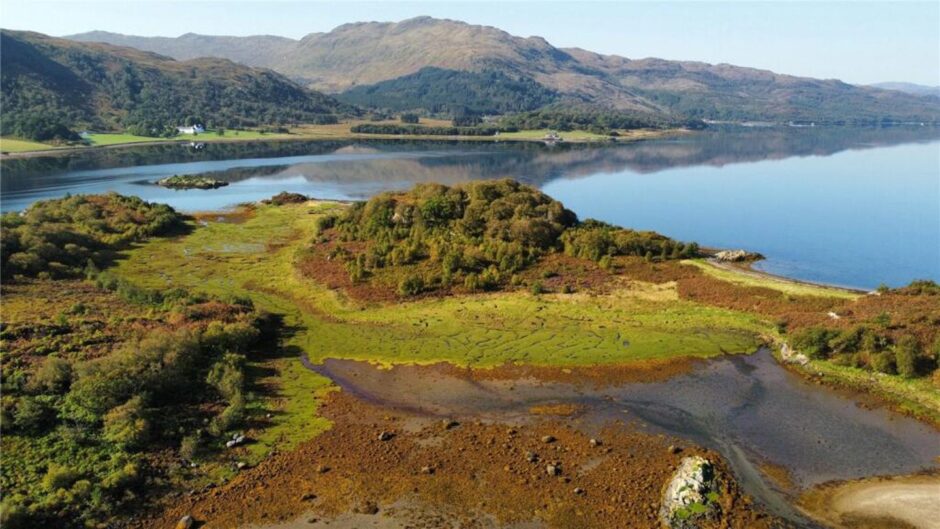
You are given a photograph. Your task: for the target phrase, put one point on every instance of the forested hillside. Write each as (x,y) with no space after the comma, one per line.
(53,87)
(452,92)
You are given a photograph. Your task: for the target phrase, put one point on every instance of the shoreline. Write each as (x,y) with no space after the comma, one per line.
(747,270)
(641,135)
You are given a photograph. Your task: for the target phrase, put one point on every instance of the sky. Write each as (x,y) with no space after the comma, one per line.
(856,41)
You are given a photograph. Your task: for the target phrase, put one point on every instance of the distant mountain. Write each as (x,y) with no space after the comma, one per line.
(910,88)
(360,59)
(52,86)
(261,51)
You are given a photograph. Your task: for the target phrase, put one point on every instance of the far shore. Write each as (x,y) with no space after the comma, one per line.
(342,132)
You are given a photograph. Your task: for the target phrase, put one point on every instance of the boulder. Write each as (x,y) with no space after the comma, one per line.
(691,495)
(737,256)
(186,522)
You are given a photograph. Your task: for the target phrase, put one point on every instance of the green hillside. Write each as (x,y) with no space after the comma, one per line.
(52,87)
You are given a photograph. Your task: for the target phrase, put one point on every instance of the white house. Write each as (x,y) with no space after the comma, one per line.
(195,129)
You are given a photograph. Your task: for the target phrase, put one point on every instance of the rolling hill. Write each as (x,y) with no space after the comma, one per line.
(372,53)
(51,87)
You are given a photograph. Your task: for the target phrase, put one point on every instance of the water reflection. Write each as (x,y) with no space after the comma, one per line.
(826,204)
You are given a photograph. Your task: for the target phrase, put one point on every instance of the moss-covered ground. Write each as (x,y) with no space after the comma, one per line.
(254,255)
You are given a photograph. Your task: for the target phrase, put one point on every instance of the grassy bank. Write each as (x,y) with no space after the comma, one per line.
(14,147)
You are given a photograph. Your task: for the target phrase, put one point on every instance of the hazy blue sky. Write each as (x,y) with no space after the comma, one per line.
(858,42)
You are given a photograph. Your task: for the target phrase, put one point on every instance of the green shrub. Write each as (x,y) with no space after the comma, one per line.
(814,342)
(906,354)
(884,362)
(537,288)
(59,477)
(230,418)
(54,376)
(411,285)
(127,425)
(189,447)
(32,414)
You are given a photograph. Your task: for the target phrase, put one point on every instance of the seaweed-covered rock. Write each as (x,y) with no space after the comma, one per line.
(691,496)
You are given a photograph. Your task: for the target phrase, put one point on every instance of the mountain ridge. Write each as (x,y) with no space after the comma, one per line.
(367,54)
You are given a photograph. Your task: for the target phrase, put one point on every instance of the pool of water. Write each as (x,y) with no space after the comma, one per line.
(853,207)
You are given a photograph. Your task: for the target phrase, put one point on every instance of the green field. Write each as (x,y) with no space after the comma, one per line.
(103,139)
(574,135)
(17,145)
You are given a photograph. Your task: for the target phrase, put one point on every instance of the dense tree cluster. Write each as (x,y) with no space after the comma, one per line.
(891,342)
(870,348)
(453,93)
(592,118)
(178,386)
(477,235)
(59,238)
(594,240)
(51,87)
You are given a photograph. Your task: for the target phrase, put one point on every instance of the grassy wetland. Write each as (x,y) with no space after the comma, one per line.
(435,279)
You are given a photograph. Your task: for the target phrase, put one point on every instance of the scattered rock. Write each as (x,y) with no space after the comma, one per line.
(791,356)
(594,442)
(236,440)
(673,449)
(449,424)
(186,522)
(548,439)
(385,436)
(553,470)
(578,490)
(241,465)
(307,496)
(427,470)
(322,469)
(366,507)
(531,457)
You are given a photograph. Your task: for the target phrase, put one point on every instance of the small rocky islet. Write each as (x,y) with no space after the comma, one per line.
(190,182)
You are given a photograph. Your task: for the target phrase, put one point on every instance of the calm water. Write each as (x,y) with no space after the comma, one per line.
(848,207)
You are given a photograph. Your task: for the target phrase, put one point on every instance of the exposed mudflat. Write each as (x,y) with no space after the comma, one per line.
(460,445)
(779,433)
(461,473)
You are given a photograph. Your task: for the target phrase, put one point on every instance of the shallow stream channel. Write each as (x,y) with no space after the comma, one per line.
(754,412)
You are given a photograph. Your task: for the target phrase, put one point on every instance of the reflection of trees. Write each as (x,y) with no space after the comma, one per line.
(450,162)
